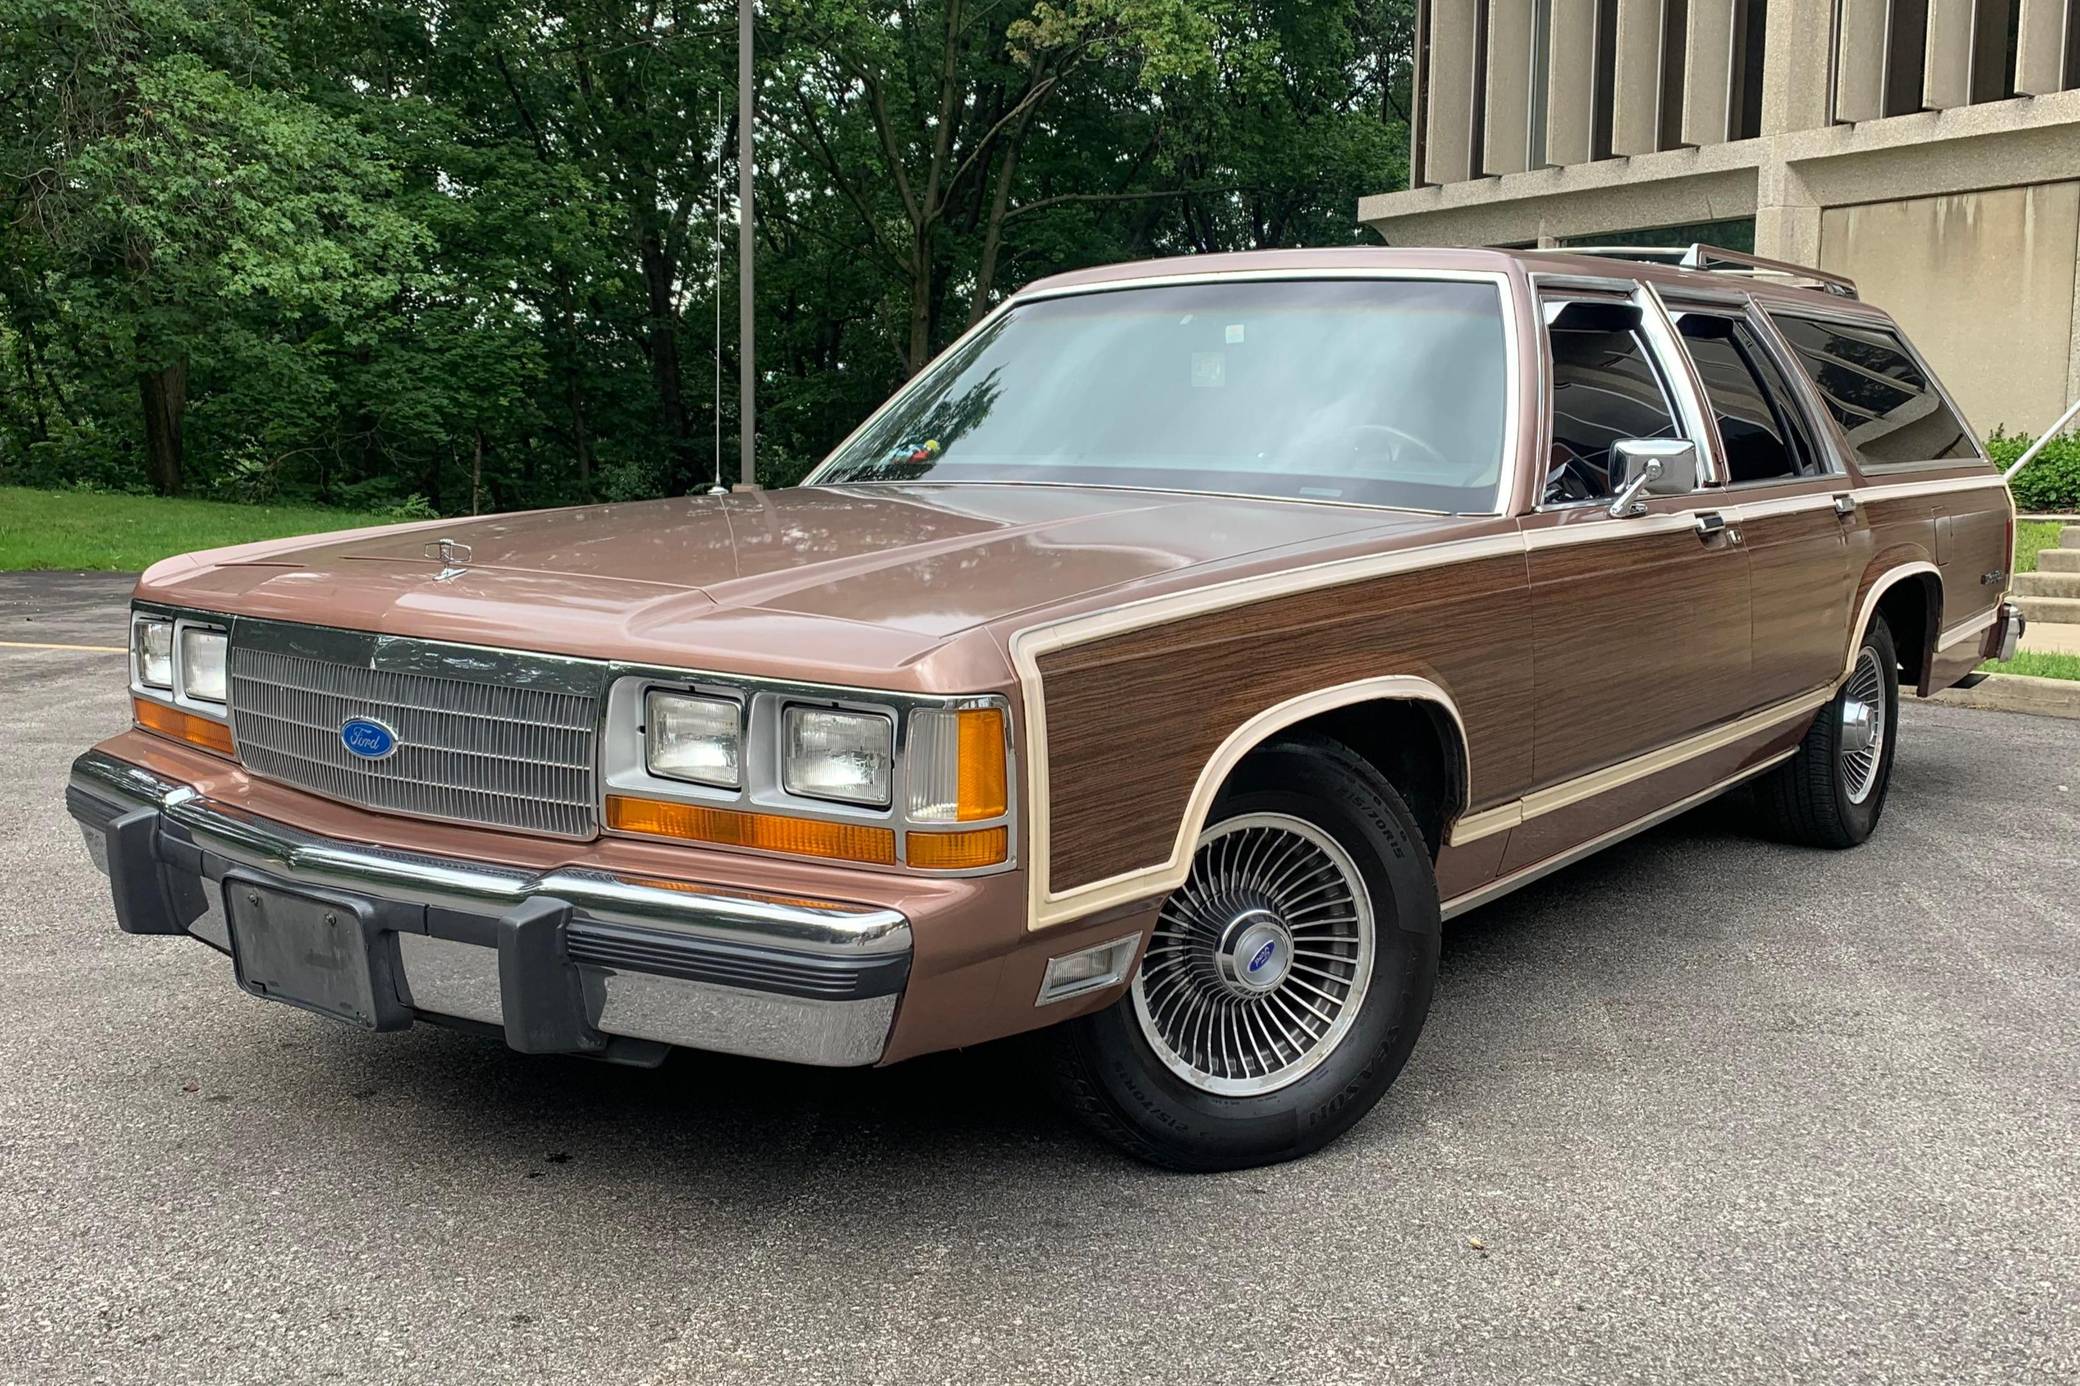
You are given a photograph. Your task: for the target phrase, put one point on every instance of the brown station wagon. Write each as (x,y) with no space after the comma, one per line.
(1161,666)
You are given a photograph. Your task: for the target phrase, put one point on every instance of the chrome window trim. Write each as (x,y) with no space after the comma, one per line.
(1806,394)
(1684,395)
(1507,477)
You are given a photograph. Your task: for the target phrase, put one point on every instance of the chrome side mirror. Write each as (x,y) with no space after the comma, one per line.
(1653,466)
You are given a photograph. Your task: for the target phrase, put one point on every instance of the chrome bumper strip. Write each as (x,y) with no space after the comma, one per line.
(710,969)
(314,860)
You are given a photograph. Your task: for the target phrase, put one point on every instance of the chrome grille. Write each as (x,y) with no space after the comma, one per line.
(468,751)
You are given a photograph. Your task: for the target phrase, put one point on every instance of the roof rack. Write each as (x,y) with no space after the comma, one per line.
(1713,259)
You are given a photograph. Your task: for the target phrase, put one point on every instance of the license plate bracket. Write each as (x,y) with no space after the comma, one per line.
(323,953)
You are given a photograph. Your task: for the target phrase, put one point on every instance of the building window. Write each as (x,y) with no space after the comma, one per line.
(1737,233)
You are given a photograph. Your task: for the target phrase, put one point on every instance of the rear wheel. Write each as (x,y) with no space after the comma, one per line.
(1831,792)
(1285,982)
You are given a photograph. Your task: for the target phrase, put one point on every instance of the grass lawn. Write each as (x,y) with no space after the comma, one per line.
(2038,664)
(81,530)
(2030,536)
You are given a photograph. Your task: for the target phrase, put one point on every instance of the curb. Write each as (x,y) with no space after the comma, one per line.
(2017,693)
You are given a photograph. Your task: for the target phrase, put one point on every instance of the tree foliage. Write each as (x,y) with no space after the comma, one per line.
(464,253)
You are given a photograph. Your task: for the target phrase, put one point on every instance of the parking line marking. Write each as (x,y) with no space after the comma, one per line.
(91,649)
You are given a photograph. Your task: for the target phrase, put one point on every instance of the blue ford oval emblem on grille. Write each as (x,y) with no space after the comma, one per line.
(1263,956)
(367,738)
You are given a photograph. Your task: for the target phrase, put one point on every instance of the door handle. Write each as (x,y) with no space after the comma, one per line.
(1845,506)
(1712,526)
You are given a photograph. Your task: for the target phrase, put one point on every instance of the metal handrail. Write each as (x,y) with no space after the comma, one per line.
(2072,411)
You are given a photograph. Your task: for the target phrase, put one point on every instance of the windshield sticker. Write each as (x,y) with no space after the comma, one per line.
(1209,369)
(1234,334)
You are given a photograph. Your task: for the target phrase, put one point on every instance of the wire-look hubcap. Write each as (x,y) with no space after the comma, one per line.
(1863,727)
(1260,960)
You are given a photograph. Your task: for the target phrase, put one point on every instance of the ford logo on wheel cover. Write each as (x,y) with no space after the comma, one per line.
(367,738)
(1263,956)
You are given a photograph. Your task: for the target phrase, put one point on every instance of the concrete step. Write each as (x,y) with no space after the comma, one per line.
(2052,639)
(2050,610)
(2043,584)
(2069,537)
(2058,560)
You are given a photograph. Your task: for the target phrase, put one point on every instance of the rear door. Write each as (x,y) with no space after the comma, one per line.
(1784,490)
(1641,623)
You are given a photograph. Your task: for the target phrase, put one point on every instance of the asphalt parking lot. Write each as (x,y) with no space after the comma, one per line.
(1702,1109)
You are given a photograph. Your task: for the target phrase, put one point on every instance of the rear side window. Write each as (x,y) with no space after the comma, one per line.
(1605,391)
(1764,434)
(1884,401)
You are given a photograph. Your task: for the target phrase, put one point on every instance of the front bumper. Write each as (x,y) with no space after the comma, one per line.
(563,961)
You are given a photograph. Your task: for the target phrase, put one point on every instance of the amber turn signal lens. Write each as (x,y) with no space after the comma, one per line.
(959,851)
(768,832)
(182,726)
(981,764)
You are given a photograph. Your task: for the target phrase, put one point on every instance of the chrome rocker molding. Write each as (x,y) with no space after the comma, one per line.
(567,960)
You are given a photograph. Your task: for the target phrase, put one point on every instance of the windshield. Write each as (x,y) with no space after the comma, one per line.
(1373,391)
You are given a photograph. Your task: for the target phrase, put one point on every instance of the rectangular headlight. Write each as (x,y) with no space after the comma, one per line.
(690,738)
(955,770)
(848,757)
(151,641)
(202,664)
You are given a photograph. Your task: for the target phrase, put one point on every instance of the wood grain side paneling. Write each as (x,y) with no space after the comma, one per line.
(1639,643)
(1975,549)
(1799,586)
(1551,834)
(1133,718)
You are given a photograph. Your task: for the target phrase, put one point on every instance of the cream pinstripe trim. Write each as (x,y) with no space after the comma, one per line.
(1459,904)
(1159,880)
(1786,505)
(1048,907)
(1968,627)
(1568,793)
(1893,577)
(1472,827)
(1902,490)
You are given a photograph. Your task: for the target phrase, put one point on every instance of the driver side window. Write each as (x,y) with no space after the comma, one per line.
(1606,389)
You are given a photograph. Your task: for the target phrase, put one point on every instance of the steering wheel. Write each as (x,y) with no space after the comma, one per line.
(1347,451)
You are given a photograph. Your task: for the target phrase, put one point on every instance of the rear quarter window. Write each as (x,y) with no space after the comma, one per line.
(1885,402)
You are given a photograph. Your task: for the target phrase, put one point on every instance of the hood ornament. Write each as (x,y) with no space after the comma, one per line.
(453,557)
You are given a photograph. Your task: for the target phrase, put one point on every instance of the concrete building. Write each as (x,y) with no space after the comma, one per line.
(1930,149)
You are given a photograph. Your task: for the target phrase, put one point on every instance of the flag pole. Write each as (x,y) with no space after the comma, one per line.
(747,345)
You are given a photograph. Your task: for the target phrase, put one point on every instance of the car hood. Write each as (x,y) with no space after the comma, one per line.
(664,580)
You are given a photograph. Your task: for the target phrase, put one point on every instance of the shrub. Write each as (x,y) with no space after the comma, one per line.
(2051,483)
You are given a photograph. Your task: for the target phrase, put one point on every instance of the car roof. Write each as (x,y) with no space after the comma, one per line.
(1330,261)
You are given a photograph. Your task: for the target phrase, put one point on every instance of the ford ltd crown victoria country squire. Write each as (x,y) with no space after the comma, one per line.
(1161,666)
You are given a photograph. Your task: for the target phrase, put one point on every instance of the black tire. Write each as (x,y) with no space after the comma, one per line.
(1107,1071)
(1808,799)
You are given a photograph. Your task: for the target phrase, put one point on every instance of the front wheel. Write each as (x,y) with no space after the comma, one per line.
(1832,790)
(1285,982)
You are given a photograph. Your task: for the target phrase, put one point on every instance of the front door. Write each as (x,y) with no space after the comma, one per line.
(1641,622)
